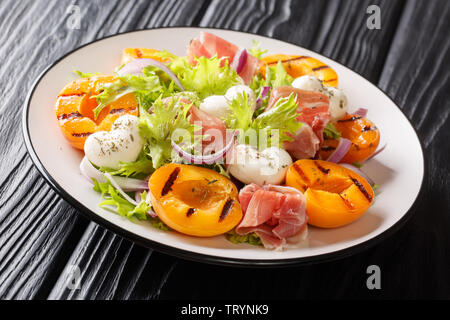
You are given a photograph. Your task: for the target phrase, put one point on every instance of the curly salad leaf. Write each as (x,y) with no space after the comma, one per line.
(148,85)
(256,50)
(112,198)
(140,168)
(158,127)
(280,121)
(251,238)
(210,76)
(330,131)
(84,74)
(276,76)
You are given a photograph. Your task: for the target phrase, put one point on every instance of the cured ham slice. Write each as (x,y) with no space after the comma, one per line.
(212,127)
(313,111)
(250,69)
(196,49)
(209,45)
(313,107)
(305,143)
(276,214)
(216,45)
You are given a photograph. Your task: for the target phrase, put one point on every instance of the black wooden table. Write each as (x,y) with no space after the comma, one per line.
(42,237)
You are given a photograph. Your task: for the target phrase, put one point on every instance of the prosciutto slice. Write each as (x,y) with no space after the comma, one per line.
(305,143)
(214,129)
(209,45)
(313,111)
(276,214)
(313,107)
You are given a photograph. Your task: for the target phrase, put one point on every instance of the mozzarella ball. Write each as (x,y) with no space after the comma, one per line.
(234,91)
(309,83)
(249,165)
(216,106)
(338,100)
(338,103)
(122,144)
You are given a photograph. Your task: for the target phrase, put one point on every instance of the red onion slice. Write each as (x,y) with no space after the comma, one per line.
(137,197)
(377,152)
(208,159)
(127,184)
(134,67)
(90,172)
(341,150)
(137,65)
(150,212)
(239,60)
(118,188)
(362,112)
(242,61)
(264,91)
(360,172)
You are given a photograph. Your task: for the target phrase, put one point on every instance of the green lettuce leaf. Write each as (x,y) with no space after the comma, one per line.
(207,77)
(281,117)
(357,164)
(276,76)
(251,238)
(256,50)
(157,128)
(241,115)
(330,131)
(123,207)
(84,74)
(144,85)
(143,166)
(112,198)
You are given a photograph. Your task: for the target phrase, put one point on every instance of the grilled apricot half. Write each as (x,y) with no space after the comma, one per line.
(194,200)
(297,66)
(363,134)
(75,106)
(335,196)
(129,54)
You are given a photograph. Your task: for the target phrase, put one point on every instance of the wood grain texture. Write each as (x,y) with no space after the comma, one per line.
(38,230)
(41,237)
(255,16)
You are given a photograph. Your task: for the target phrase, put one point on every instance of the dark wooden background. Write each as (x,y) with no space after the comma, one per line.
(41,236)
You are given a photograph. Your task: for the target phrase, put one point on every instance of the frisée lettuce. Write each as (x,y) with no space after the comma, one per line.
(113,200)
(281,119)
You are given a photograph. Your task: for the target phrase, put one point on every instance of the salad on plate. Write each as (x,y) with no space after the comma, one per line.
(222,141)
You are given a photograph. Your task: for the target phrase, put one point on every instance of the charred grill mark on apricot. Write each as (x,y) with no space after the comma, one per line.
(226,209)
(350,119)
(330,80)
(368,128)
(72,94)
(302,185)
(362,189)
(190,212)
(170,181)
(288,60)
(327,148)
(82,134)
(138,53)
(320,68)
(119,110)
(68,116)
(324,170)
(301,173)
(347,202)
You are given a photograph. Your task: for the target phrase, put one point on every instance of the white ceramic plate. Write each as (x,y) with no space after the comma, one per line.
(399,169)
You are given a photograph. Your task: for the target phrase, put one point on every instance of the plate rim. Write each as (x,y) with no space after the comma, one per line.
(201,257)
